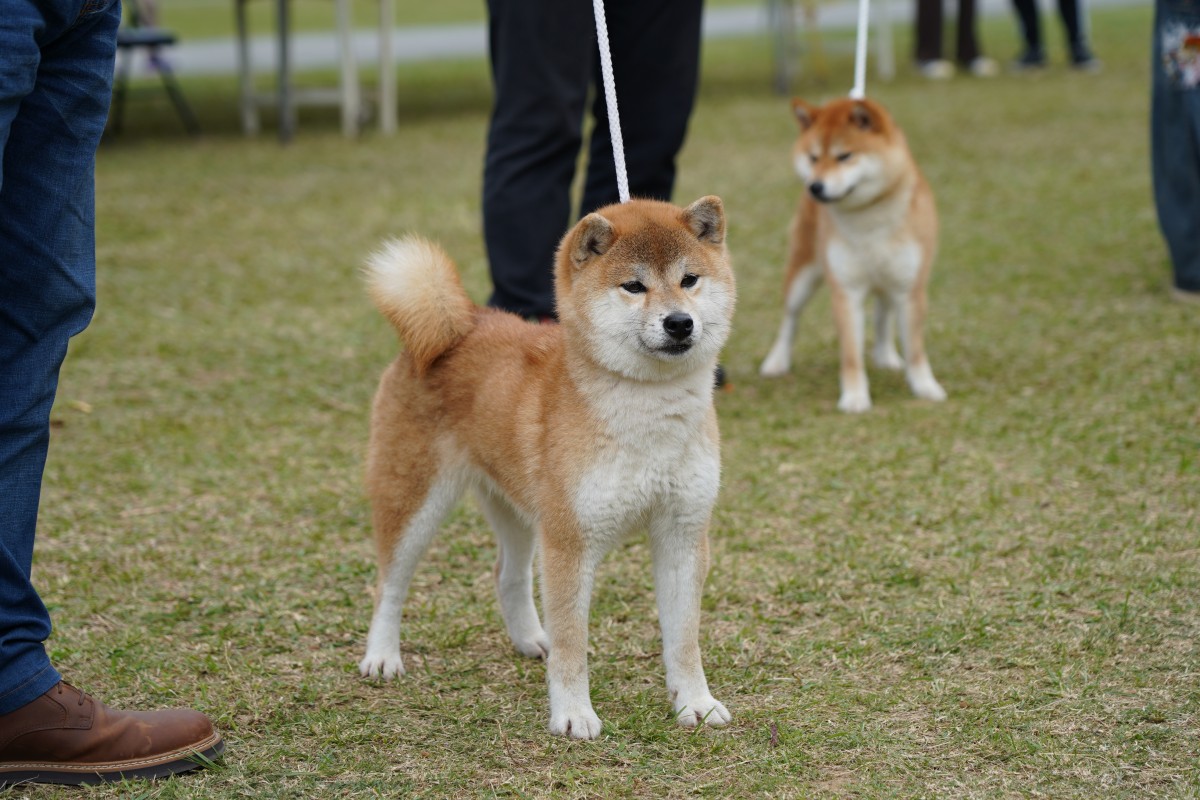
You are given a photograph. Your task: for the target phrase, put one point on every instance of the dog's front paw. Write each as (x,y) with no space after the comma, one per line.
(854,402)
(536,645)
(888,358)
(704,710)
(929,390)
(386,666)
(579,722)
(776,364)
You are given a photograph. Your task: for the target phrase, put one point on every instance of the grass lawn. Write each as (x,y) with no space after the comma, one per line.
(200,19)
(998,596)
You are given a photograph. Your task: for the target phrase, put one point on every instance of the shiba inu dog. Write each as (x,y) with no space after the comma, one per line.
(867,224)
(571,435)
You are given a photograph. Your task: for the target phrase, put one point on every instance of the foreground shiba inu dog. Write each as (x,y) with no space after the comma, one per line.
(868,225)
(571,435)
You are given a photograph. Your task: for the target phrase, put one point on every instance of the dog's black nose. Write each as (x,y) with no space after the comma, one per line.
(678,326)
(817,190)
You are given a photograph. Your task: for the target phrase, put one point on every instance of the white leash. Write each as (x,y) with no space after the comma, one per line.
(610,99)
(860,52)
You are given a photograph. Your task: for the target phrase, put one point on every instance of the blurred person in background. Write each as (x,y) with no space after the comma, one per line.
(1074,22)
(929,30)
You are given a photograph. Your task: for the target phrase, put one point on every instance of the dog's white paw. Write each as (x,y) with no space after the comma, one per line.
(536,645)
(776,364)
(888,358)
(703,710)
(386,666)
(579,722)
(927,388)
(854,402)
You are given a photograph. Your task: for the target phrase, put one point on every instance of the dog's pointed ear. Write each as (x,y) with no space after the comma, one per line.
(592,237)
(706,218)
(805,114)
(862,117)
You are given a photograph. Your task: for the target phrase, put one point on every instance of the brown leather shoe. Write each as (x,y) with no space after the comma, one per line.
(66,736)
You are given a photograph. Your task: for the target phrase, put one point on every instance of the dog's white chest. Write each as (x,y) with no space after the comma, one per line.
(877,259)
(656,458)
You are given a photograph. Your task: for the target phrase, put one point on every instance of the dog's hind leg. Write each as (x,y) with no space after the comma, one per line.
(910,308)
(515,540)
(884,352)
(402,533)
(800,290)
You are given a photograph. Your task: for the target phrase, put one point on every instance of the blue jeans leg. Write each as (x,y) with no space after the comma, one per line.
(56,67)
(1175,135)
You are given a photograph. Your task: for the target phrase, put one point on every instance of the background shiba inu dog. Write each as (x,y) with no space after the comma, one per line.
(571,435)
(867,223)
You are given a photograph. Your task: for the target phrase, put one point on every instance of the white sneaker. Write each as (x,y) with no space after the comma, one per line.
(984,67)
(937,69)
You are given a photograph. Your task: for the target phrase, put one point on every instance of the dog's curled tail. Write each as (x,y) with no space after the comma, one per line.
(416,286)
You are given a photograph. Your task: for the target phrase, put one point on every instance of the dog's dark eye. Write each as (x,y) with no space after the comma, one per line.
(813,158)
(689,280)
(844,156)
(633,287)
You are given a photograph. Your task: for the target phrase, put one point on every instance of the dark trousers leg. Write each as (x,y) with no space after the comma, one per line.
(656,64)
(967,44)
(929,30)
(541,54)
(1031,30)
(1072,20)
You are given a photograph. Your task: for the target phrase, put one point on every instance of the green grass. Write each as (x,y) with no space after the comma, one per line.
(201,19)
(998,596)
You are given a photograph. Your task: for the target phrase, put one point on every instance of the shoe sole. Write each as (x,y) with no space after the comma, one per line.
(201,754)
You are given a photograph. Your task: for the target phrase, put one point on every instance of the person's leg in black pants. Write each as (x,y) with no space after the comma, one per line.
(966,42)
(1075,28)
(541,53)
(929,31)
(656,63)
(1031,31)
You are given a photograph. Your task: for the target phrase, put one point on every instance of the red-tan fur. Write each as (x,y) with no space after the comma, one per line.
(879,237)
(525,413)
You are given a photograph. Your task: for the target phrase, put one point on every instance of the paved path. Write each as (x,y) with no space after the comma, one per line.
(438,42)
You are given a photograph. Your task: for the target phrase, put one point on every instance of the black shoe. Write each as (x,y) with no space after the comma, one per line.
(1083,60)
(1031,59)
(719,377)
